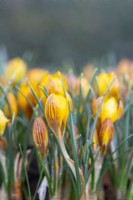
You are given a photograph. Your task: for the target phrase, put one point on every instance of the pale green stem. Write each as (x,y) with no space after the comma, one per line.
(66,156)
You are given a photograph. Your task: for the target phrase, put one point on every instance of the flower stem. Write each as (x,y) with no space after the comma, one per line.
(66,156)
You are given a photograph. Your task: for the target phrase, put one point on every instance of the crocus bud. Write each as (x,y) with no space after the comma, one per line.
(56,113)
(95,103)
(13,105)
(111,109)
(106,135)
(16,70)
(3,122)
(40,136)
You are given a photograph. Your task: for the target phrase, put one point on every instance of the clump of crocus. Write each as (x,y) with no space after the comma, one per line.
(3,122)
(40,136)
(13,105)
(106,80)
(16,70)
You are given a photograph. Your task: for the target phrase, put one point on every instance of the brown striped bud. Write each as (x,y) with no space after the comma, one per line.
(40,136)
(106,135)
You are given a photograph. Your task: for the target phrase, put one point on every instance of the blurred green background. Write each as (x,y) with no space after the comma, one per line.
(53,32)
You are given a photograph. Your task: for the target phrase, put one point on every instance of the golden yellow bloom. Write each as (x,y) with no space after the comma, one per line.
(104,80)
(106,135)
(56,113)
(53,84)
(23,102)
(40,135)
(3,122)
(13,105)
(111,109)
(16,70)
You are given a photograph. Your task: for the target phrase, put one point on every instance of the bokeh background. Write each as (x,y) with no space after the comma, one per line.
(54,32)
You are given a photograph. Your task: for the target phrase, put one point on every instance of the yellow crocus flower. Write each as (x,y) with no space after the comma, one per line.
(3,122)
(56,113)
(16,70)
(111,109)
(53,84)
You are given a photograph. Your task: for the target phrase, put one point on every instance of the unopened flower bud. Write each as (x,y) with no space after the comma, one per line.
(56,112)
(40,136)
(95,103)
(106,135)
